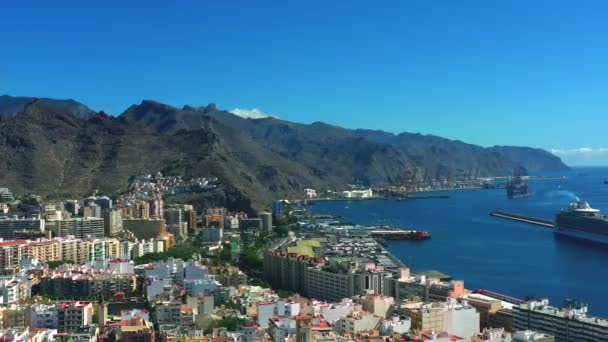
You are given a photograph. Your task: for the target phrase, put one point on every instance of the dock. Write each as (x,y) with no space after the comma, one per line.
(428,197)
(523,218)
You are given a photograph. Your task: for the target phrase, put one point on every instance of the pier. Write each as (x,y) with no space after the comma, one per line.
(523,218)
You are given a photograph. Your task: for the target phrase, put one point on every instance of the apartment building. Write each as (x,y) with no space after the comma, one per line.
(567,324)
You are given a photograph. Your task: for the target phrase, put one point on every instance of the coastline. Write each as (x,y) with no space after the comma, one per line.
(379,198)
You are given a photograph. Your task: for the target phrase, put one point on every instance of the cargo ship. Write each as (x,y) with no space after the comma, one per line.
(517,187)
(401,234)
(581,221)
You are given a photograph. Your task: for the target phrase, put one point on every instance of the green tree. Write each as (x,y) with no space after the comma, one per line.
(250,259)
(57,263)
(229,323)
(284,293)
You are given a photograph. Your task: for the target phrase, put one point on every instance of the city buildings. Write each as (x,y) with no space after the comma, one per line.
(277,209)
(14,290)
(212,235)
(14,227)
(132,250)
(192,278)
(568,324)
(11,253)
(280,308)
(489,309)
(170,313)
(343,269)
(250,228)
(357,193)
(358,322)
(74,316)
(458,319)
(266,221)
(146,228)
(44,316)
(6,195)
(214,217)
(82,282)
(395,325)
(379,305)
(280,328)
(176,222)
(79,227)
(137,209)
(136,329)
(112,221)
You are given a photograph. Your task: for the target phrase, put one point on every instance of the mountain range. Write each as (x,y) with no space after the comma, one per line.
(63,148)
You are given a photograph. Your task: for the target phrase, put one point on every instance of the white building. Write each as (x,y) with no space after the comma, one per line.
(396,325)
(310,193)
(113,265)
(201,287)
(156,287)
(231,222)
(281,327)
(462,319)
(357,194)
(455,318)
(141,247)
(332,312)
(280,308)
(44,316)
(14,290)
(126,249)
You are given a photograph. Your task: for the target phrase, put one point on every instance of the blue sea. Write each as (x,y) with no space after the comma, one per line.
(486,252)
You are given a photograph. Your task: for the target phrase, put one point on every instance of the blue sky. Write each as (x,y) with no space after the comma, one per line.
(486,72)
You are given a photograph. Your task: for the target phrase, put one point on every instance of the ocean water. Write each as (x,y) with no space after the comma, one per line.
(509,257)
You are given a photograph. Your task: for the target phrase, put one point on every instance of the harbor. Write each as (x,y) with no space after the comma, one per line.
(495,253)
(381,233)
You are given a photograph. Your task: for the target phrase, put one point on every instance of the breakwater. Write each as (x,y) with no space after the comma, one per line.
(523,218)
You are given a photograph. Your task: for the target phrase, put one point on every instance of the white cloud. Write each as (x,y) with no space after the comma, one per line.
(253,113)
(582,151)
(583,155)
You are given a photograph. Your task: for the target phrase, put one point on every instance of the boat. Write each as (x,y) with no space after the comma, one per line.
(517,187)
(581,221)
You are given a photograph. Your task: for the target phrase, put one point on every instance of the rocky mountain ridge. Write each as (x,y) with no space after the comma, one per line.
(61,147)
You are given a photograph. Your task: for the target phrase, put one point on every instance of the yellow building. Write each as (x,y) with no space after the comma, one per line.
(425,317)
(80,251)
(14,316)
(70,250)
(46,250)
(99,249)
